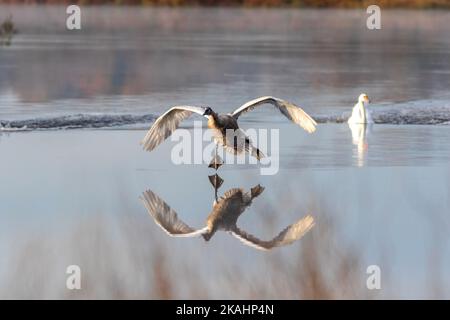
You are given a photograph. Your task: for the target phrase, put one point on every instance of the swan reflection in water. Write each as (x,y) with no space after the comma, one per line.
(360,132)
(224,215)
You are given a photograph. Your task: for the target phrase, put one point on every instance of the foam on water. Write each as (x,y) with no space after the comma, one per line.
(417,112)
(77,121)
(409,113)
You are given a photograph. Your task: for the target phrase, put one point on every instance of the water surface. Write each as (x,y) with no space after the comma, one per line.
(380,195)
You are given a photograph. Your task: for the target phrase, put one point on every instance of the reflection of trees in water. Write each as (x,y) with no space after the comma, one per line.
(7,31)
(75,74)
(256,3)
(140,51)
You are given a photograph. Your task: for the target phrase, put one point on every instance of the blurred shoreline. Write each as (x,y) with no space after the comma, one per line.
(412,4)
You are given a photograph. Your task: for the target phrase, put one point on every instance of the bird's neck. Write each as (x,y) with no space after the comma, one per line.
(213,120)
(215,116)
(362,105)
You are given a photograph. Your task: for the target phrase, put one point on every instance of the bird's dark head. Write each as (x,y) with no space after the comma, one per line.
(212,228)
(208,236)
(208,111)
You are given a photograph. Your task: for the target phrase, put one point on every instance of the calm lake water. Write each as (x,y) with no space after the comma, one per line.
(379,195)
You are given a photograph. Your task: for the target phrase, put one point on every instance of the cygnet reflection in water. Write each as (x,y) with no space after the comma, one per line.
(224,216)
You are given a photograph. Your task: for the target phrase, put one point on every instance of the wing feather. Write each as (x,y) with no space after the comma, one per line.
(290,234)
(167,123)
(289,110)
(166,218)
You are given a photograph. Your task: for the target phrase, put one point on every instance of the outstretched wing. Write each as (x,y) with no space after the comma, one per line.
(290,110)
(290,234)
(166,124)
(167,218)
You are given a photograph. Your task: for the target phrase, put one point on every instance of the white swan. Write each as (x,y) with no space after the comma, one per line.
(361,114)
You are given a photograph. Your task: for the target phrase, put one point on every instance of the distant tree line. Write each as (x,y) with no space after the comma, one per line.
(251,3)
